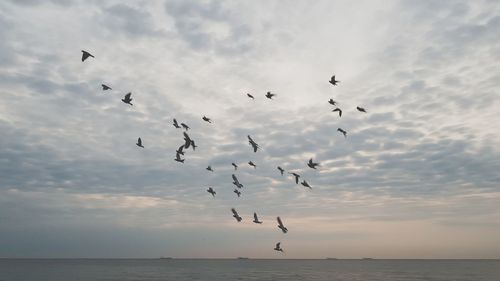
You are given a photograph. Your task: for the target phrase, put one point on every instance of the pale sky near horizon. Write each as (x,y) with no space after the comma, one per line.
(417,176)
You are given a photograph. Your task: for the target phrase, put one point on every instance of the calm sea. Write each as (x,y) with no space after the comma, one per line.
(232,270)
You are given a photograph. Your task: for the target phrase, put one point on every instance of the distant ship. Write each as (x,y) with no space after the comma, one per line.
(367,259)
(242,258)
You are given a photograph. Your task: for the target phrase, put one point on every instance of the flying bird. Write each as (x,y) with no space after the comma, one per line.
(270,96)
(332,102)
(193,145)
(127,99)
(278,247)
(281,170)
(179,150)
(304,183)
(176,124)
(209,168)
(333,81)
(281,226)
(139,143)
(178,158)
(338,110)
(86,55)
(206,119)
(253,143)
(236,182)
(235,166)
(256,219)
(343,132)
(250,96)
(252,164)
(105,87)
(185,126)
(187,140)
(237,192)
(211,191)
(235,215)
(297,176)
(311,164)
(360,109)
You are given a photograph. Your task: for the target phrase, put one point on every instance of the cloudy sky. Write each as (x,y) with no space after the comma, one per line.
(417,176)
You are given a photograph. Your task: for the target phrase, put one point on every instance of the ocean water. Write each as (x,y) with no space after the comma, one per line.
(232,270)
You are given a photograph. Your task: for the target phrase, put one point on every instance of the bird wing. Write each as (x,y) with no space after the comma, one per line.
(234,212)
(279,222)
(139,141)
(127,96)
(255,216)
(278,245)
(175,122)
(250,139)
(234,178)
(255,147)
(333,78)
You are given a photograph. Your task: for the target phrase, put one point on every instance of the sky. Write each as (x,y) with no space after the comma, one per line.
(416,177)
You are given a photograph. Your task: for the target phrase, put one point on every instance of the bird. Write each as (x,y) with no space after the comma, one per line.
(250,96)
(332,102)
(253,143)
(256,219)
(206,119)
(237,192)
(139,143)
(343,132)
(360,109)
(193,145)
(281,170)
(187,140)
(311,164)
(252,164)
(179,150)
(211,191)
(304,183)
(185,126)
(127,99)
(278,247)
(235,166)
(209,168)
(178,158)
(86,55)
(281,226)
(339,111)
(176,124)
(236,182)
(235,215)
(270,96)
(297,176)
(333,81)
(105,87)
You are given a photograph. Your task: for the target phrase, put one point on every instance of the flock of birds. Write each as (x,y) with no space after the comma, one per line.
(190,143)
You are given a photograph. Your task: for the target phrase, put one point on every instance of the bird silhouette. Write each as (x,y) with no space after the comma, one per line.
(311,164)
(333,81)
(297,176)
(235,166)
(139,143)
(254,145)
(127,99)
(256,219)
(186,127)
(179,150)
(278,247)
(270,96)
(86,55)
(105,87)
(236,182)
(178,158)
(343,132)
(250,96)
(209,168)
(176,124)
(211,191)
(338,110)
(252,164)
(206,119)
(193,145)
(360,109)
(281,226)
(187,140)
(235,215)
(237,192)
(281,170)
(332,102)
(304,183)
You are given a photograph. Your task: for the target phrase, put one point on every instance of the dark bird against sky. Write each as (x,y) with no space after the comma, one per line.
(206,119)
(360,109)
(333,81)
(297,176)
(281,170)
(211,191)
(127,99)
(343,132)
(139,143)
(235,215)
(105,87)
(270,96)
(176,124)
(86,55)
(311,164)
(256,219)
(338,110)
(281,226)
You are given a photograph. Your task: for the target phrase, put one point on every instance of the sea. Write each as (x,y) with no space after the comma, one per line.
(247,269)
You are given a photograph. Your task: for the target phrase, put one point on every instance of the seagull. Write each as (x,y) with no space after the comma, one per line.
(333,81)
(237,192)
(235,166)
(235,215)
(339,110)
(187,140)
(360,109)
(206,119)
(256,219)
(179,150)
(253,143)
(105,87)
(281,170)
(236,182)
(178,158)
(209,168)
(343,132)
(252,164)
(297,176)
(281,226)
(127,99)
(139,143)
(86,55)
(332,102)
(250,96)
(270,96)
(311,164)
(176,124)
(304,183)
(278,247)
(185,126)
(211,191)
(193,145)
